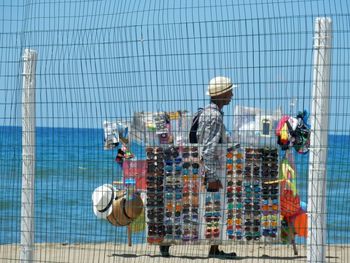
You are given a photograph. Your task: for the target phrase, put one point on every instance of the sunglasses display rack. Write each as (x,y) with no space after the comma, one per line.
(173,195)
(212,216)
(180,211)
(270,193)
(178,170)
(252,194)
(234,205)
(155,195)
(191,190)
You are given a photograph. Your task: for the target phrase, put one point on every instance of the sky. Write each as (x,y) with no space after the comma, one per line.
(101,60)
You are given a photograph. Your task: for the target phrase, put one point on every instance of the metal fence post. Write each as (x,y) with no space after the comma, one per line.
(28,156)
(317,209)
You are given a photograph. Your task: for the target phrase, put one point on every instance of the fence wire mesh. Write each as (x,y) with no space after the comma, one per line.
(127,61)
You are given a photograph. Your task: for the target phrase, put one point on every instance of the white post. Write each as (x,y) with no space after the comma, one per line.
(28,156)
(317,212)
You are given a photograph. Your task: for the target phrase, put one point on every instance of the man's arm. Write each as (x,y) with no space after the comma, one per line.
(210,139)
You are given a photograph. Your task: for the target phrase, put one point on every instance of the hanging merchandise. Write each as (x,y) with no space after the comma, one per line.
(161,120)
(290,201)
(114,133)
(127,153)
(135,169)
(111,136)
(302,133)
(294,132)
(291,206)
(162,123)
(123,154)
(120,157)
(118,207)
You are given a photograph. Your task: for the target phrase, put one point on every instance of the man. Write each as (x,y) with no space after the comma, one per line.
(212,141)
(211,137)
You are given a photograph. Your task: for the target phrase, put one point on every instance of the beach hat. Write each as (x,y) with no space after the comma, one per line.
(219,85)
(102,199)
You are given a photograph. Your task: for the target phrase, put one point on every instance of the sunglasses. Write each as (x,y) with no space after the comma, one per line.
(229,155)
(154,180)
(230,228)
(251,229)
(178,233)
(170,214)
(158,163)
(172,151)
(187,155)
(250,150)
(239,172)
(239,155)
(186,210)
(155,217)
(212,218)
(239,183)
(253,156)
(155,210)
(266,190)
(195,154)
(213,224)
(248,189)
(155,195)
(155,226)
(238,221)
(155,169)
(158,232)
(239,166)
(270,166)
(229,167)
(154,189)
(152,202)
(195,170)
(248,201)
(269,232)
(171,162)
(154,157)
(239,205)
(169,231)
(229,189)
(269,196)
(239,161)
(230,216)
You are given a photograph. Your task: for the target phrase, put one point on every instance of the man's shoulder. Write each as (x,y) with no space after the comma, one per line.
(211,110)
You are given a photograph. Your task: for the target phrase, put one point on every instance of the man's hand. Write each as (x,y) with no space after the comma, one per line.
(214,186)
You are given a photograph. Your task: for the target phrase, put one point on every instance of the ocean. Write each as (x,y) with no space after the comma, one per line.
(71,163)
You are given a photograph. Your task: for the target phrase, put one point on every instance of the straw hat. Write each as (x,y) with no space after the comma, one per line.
(102,199)
(219,85)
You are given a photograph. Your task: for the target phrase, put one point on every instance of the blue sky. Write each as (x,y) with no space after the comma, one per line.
(106,59)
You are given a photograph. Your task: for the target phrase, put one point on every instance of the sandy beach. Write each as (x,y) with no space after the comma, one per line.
(107,252)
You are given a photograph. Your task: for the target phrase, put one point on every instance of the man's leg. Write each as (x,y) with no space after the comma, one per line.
(213,249)
(164,251)
(214,252)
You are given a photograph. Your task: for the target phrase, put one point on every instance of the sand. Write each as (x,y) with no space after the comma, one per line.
(144,253)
